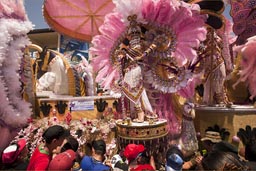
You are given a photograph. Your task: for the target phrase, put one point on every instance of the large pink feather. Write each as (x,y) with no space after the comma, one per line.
(184,20)
(248,65)
(148,10)
(10,8)
(114,75)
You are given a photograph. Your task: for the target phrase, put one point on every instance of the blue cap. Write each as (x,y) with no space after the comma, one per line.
(174,162)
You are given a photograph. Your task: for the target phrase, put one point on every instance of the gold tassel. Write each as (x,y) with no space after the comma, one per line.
(82,87)
(71,82)
(46,60)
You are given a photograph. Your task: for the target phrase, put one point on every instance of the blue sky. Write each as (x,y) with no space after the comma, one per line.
(35,14)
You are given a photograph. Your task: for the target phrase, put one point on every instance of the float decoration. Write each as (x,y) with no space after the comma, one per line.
(77,19)
(160,37)
(243,14)
(183,33)
(85,130)
(144,53)
(248,63)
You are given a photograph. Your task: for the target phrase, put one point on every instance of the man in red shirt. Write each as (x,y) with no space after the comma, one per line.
(53,137)
(137,158)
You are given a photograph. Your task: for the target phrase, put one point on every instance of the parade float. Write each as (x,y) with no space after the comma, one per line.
(158,72)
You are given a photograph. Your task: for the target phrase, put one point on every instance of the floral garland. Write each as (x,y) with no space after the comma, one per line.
(84,130)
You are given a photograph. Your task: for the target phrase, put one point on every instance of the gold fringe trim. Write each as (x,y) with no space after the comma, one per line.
(82,87)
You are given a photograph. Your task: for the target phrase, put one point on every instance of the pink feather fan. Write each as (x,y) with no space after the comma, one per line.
(12,8)
(182,19)
(248,65)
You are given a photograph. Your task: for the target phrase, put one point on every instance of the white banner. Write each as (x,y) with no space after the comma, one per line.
(82,105)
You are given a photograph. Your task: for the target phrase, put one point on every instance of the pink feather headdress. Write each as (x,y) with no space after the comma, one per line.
(182,20)
(12,9)
(248,65)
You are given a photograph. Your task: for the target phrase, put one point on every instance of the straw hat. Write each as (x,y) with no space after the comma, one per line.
(212,136)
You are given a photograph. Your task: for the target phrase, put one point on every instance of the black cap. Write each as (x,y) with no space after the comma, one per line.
(99,145)
(213,5)
(71,143)
(55,132)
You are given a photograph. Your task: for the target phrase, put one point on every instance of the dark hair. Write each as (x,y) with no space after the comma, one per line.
(144,158)
(126,42)
(250,151)
(99,146)
(248,138)
(225,147)
(55,132)
(218,160)
(174,149)
(71,143)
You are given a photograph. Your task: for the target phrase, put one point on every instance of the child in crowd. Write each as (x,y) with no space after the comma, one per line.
(137,158)
(69,143)
(210,139)
(63,161)
(174,162)
(95,162)
(65,156)
(220,160)
(52,137)
(174,159)
(14,157)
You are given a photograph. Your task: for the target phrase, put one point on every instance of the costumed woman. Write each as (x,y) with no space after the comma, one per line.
(156,47)
(216,63)
(131,56)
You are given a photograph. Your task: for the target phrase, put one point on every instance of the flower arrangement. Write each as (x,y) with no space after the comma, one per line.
(109,114)
(85,130)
